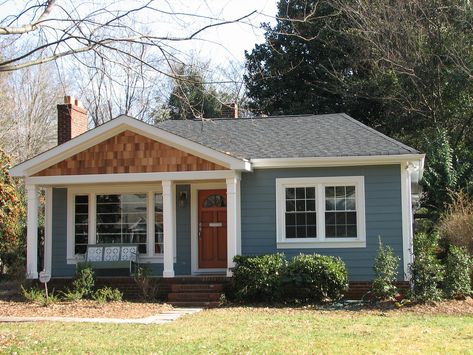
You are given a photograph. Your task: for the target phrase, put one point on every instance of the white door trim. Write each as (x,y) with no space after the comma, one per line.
(195,188)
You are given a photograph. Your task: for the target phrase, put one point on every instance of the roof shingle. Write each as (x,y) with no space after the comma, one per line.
(301,136)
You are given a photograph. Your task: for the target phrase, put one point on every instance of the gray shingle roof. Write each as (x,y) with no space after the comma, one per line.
(332,135)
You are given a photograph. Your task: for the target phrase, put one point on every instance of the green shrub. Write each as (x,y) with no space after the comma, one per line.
(457,282)
(385,268)
(84,281)
(71,295)
(427,271)
(146,284)
(259,278)
(315,278)
(33,294)
(106,294)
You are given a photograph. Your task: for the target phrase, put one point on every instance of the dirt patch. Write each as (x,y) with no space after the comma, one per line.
(449,307)
(83,309)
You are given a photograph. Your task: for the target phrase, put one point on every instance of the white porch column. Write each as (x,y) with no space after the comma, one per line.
(233,221)
(48,224)
(169,227)
(32,232)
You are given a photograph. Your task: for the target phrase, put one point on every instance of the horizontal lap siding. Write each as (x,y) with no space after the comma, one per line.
(60,268)
(382,206)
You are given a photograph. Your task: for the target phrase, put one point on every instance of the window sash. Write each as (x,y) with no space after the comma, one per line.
(355,210)
(146,238)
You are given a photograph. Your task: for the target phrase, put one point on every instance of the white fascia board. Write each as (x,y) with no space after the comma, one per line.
(114,127)
(129,177)
(336,161)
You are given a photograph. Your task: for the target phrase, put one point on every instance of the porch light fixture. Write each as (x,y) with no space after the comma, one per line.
(183,199)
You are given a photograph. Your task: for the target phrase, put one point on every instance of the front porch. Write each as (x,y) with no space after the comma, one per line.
(167,222)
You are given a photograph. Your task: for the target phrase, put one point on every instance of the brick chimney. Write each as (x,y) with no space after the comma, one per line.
(71,119)
(230,110)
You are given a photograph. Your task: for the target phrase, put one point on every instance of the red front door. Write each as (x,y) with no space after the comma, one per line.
(212,229)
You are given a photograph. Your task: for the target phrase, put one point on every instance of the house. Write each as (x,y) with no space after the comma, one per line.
(192,194)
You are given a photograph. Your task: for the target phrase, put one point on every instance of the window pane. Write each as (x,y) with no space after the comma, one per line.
(330,204)
(81,223)
(290,193)
(121,218)
(351,206)
(300,216)
(310,205)
(290,232)
(310,192)
(290,219)
(300,193)
(311,218)
(300,205)
(340,191)
(158,224)
(340,224)
(330,191)
(290,206)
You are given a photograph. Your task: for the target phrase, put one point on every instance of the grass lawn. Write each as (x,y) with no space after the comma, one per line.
(252,330)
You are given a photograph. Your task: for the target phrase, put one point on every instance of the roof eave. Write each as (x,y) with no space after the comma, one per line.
(113,127)
(336,161)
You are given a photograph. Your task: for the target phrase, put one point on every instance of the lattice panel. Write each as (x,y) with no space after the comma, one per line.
(129,152)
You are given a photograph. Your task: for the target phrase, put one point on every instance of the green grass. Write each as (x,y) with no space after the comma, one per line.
(251,330)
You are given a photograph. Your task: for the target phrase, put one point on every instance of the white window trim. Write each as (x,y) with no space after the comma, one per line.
(320,241)
(92,191)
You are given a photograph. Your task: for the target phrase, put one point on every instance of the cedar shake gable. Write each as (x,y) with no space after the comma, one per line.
(129,152)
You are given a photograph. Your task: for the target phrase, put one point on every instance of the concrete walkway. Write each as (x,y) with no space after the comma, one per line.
(162,318)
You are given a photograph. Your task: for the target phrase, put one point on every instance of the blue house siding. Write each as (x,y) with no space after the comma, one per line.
(60,268)
(382,207)
(258,218)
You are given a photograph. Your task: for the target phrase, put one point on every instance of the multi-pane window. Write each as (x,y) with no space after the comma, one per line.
(320,211)
(81,223)
(121,218)
(300,215)
(340,212)
(158,224)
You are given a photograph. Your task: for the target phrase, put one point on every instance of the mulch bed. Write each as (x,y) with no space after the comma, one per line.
(83,309)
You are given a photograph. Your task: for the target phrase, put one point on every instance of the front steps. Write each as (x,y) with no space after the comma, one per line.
(203,294)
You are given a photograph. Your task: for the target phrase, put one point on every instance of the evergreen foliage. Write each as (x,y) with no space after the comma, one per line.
(386,266)
(457,283)
(426,270)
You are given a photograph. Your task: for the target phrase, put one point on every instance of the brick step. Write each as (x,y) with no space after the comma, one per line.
(194,296)
(194,304)
(205,288)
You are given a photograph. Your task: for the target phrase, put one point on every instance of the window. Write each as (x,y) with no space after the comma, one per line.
(158,224)
(320,212)
(115,215)
(81,224)
(122,219)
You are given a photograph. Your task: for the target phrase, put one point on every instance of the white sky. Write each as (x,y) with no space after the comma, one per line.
(219,44)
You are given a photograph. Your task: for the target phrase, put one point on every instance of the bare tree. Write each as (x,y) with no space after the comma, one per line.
(29,125)
(55,29)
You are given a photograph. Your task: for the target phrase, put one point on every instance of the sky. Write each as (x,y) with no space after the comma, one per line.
(219,44)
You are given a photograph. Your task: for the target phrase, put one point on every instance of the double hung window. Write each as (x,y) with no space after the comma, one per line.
(320,212)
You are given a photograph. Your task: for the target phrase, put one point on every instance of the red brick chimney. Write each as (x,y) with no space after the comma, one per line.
(230,110)
(71,120)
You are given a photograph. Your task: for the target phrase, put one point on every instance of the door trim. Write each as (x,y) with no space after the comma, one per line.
(195,270)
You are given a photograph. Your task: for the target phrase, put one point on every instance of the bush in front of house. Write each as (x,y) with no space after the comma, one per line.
(457,282)
(385,268)
(105,294)
(84,281)
(426,270)
(315,278)
(259,278)
(271,278)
